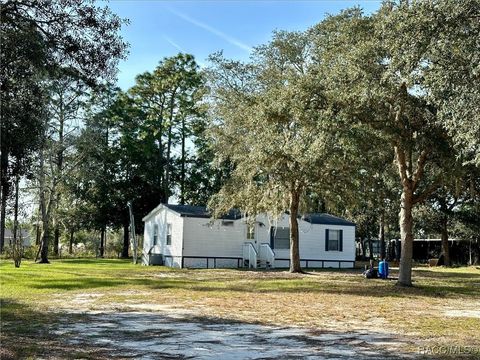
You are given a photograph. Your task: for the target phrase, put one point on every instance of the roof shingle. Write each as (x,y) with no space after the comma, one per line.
(202,212)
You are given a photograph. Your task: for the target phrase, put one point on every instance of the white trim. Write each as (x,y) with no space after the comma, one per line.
(155,211)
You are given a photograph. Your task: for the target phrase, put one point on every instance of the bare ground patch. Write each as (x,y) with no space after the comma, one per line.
(162,313)
(152,335)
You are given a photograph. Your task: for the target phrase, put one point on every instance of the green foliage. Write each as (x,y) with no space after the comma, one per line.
(140,138)
(381,81)
(440,50)
(167,104)
(22,104)
(40,39)
(271,120)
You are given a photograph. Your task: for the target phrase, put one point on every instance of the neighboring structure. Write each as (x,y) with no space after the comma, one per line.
(24,234)
(185,236)
(425,249)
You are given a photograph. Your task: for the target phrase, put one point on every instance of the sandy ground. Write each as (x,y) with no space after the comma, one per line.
(159,331)
(182,335)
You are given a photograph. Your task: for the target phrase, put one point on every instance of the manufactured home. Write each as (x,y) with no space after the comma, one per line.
(24,235)
(186,236)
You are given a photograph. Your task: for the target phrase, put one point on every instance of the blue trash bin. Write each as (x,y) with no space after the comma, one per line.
(383,269)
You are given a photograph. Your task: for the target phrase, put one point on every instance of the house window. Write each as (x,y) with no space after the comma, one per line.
(333,240)
(155,234)
(281,238)
(169,234)
(251,232)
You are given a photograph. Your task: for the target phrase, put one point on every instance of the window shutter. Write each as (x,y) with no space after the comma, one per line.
(326,239)
(340,244)
(272,238)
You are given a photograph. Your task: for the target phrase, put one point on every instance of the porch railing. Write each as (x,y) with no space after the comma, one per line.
(266,255)
(249,255)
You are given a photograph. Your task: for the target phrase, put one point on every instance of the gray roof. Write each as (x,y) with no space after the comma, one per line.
(326,219)
(201,212)
(9,233)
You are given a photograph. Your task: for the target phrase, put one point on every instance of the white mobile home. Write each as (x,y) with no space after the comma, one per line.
(185,236)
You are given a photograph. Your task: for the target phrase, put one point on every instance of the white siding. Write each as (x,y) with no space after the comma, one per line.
(147,236)
(198,237)
(202,238)
(162,217)
(210,263)
(312,242)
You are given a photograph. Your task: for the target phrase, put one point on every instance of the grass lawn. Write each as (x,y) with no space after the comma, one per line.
(442,309)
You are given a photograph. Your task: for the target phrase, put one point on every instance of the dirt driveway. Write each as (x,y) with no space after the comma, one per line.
(154,335)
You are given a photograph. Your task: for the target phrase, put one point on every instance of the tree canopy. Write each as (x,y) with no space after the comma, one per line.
(273,122)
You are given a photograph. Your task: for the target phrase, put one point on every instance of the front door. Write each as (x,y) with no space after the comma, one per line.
(252,235)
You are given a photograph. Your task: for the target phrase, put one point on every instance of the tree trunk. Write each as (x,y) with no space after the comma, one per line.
(105,240)
(60,157)
(56,225)
(44,244)
(445,248)
(125,241)
(398,247)
(294,246)
(406,234)
(45,210)
(37,228)
(4,189)
(102,242)
(17,248)
(2,216)
(370,248)
(381,236)
(56,239)
(362,248)
(70,245)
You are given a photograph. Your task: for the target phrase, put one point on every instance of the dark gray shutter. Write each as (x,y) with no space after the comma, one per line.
(272,242)
(340,241)
(326,239)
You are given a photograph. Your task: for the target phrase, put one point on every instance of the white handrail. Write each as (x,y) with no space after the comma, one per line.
(266,254)
(250,254)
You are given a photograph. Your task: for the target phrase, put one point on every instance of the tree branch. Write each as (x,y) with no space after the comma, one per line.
(422,159)
(402,165)
(429,191)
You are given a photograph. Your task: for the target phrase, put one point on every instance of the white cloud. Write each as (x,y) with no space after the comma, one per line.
(173,43)
(212,30)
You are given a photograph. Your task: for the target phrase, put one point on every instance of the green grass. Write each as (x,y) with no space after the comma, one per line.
(32,280)
(37,296)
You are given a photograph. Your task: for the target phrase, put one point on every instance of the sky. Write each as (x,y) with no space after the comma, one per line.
(158,29)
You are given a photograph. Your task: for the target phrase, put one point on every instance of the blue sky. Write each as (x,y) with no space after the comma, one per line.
(163,28)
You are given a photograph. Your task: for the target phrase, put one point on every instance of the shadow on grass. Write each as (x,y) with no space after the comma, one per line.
(92,283)
(326,281)
(29,333)
(446,274)
(94,260)
(21,329)
(358,287)
(88,261)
